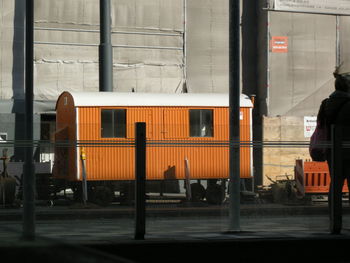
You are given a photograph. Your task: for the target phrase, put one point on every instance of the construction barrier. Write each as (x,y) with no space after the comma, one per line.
(315,176)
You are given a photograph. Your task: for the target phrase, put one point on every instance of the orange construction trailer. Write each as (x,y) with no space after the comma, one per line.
(175,125)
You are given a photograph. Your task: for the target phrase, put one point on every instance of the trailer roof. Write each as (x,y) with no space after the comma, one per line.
(85,99)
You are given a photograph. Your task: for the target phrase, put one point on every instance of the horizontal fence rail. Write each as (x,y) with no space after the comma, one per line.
(163,143)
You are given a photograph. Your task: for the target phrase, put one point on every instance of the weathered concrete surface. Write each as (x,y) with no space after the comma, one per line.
(279,160)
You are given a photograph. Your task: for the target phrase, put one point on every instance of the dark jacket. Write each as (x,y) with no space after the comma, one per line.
(336,110)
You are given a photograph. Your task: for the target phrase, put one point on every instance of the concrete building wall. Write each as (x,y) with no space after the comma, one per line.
(294,81)
(301,76)
(147,39)
(279,154)
(298,75)
(207,46)
(148,47)
(11,56)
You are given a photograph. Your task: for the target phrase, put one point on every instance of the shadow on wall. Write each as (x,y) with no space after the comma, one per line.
(310,105)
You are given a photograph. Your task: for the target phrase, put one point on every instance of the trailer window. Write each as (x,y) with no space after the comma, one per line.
(113,123)
(201,123)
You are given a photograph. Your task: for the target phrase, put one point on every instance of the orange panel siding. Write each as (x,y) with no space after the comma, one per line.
(144,114)
(175,123)
(107,162)
(245,136)
(164,124)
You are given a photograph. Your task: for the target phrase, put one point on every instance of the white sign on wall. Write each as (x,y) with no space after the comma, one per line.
(309,125)
(341,7)
(3,137)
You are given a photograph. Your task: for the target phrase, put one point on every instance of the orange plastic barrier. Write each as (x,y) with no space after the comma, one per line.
(317,178)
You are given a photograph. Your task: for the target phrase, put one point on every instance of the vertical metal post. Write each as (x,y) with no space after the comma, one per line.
(184,87)
(28,168)
(84,182)
(234,101)
(335,202)
(337,43)
(188,180)
(105,48)
(140,170)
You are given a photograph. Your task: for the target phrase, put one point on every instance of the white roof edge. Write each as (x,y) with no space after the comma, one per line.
(86,99)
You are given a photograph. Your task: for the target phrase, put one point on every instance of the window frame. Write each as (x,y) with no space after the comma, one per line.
(115,125)
(201,121)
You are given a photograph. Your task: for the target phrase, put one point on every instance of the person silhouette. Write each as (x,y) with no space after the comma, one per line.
(335,111)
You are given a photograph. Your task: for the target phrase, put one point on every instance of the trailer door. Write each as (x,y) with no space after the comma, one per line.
(175,124)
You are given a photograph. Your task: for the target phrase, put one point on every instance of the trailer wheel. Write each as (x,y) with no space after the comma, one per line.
(197,192)
(102,195)
(77,193)
(215,194)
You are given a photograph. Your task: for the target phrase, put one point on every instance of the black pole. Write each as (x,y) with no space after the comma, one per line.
(234,114)
(336,186)
(105,48)
(140,171)
(28,168)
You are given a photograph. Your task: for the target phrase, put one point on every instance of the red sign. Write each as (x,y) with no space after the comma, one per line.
(279,44)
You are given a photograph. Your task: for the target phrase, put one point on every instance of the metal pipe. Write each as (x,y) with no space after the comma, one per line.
(185,88)
(84,181)
(28,168)
(234,114)
(337,41)
(105,48)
